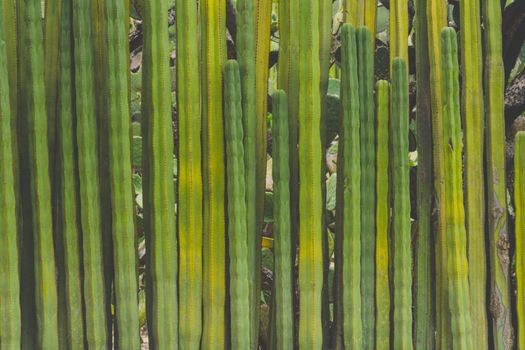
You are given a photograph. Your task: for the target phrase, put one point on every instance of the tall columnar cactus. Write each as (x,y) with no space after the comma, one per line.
(10,323)
(159,196)
(401,231)
(398,31)
(36,173)
(474,123)
(436,17)
(52,22)
(494,80)
(519,203)
(310,206)
(283,285)
(382,256)
(119,160)
(213,53)
(354,12)
(368,182)
(86,141)
(245,42)
(67,219)
(238,241)
(189,174)
(424,310)
(348,185)
(457,266)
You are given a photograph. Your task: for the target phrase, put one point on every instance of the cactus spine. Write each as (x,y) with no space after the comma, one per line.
(436,16)
(401,232)
(10,322)
(190,177)
(239,266)
(159,203)
(474,123)
(382,256)
(368,182)
(36,159)
(86,140)
(349,182)
(310,206)
(283,286)
(67,224)
(424,311)
(119,150)
(213,41)
(519,202)
(457,269)
(494,79)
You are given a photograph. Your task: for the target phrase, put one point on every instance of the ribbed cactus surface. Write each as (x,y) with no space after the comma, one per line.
(519,203)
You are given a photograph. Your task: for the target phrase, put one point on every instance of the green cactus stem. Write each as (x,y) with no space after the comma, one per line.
(519,203)
(348,222)
(119,160)
(238,241)
(213,51)
(457,265)
(283,285)
(401,231)
(382,255)
(10,322)
(424,312)
(368,182)
(160,222)
(494,80)
(310,194)
(398,31)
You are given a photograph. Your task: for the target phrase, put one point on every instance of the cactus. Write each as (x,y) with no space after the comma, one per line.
(494,80)
(519,202)
(457,266)
(161,235)
(354,12)
(474,122)
(349,180)
(119,160)
(35,155)
(310,196)
(213,14)
(401,231)
(238,241)
(189,176)
(382,256)
(368,182)
(398,31)
(436,16)
(284,324)
(67,220)
(10,322)
(9,28)
(86,140)
(51,55)
(424,312)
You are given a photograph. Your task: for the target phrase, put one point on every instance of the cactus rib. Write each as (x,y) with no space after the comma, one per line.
(519,202)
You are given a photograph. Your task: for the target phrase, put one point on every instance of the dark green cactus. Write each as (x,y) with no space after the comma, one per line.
(283,285)
(213,53)
(519,203)
(86,140)
(238,242)
(499,259)
(368,182)
(424,306)
(310,194)
(10,322)
(401,232)
(119,150)
(160,223)
(348,185)
(37,195)
(474,123)
(457,266)
(382,254)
